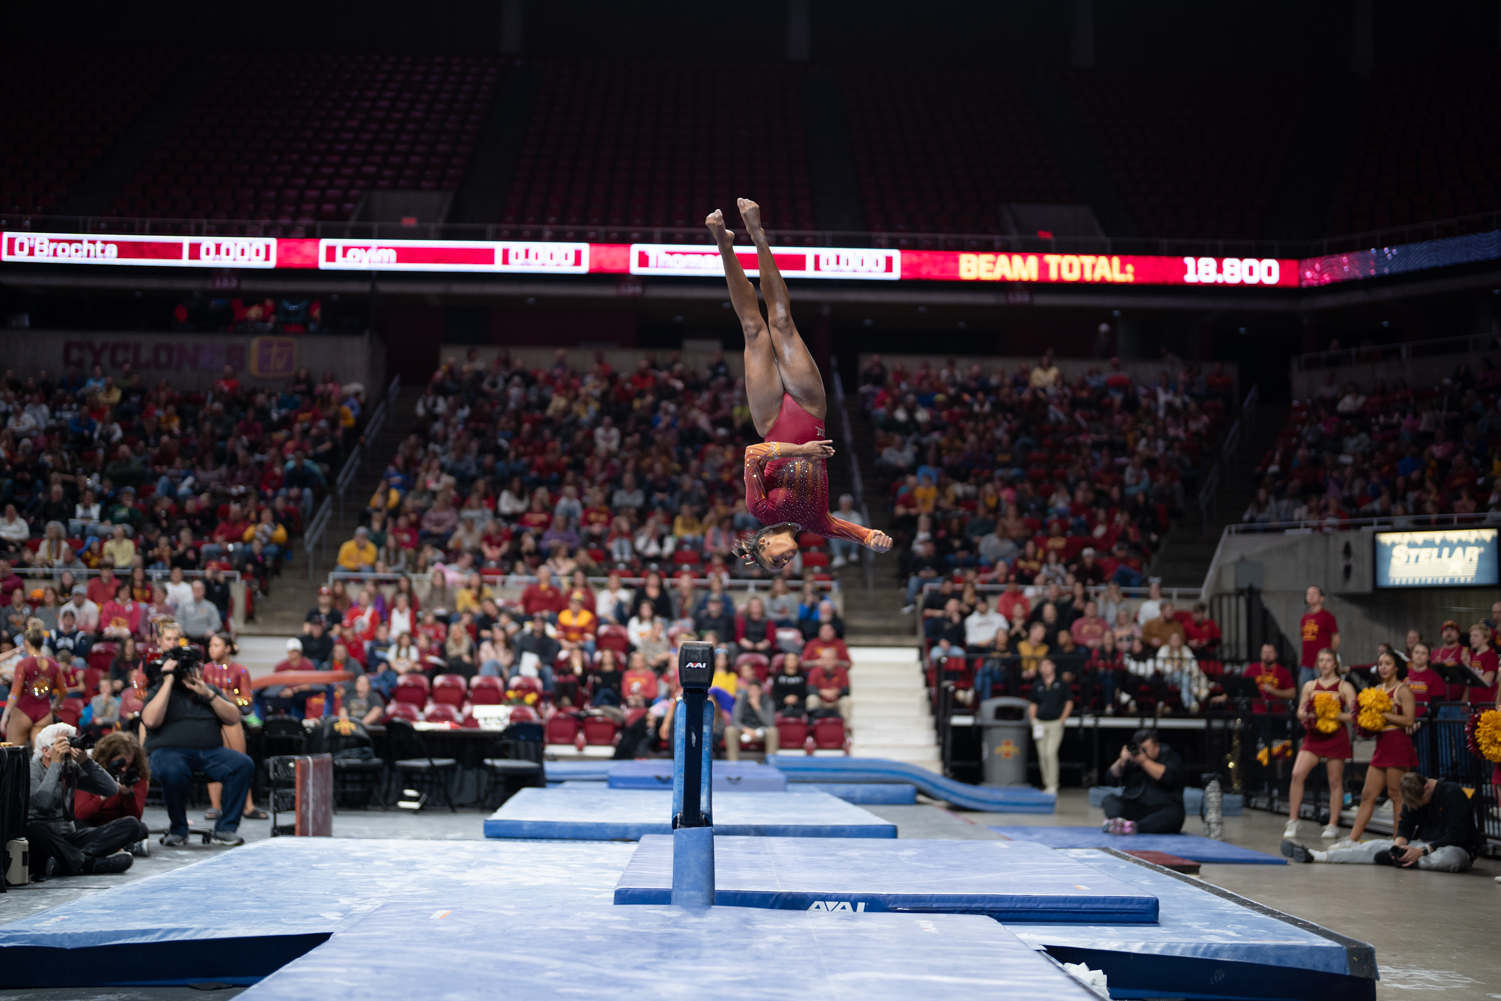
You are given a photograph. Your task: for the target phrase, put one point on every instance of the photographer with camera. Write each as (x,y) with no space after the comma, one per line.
(120,754)
(1152,800)
(61,767)
(185,718)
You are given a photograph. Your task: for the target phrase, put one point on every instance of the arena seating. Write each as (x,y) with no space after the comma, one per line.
(1193,155)
(62,112)
(940,152)
(615,146)
(1384,451)
(312,135)
(1425,147)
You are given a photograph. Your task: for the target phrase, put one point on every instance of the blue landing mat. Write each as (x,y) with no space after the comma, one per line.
(238,915)
(1232,804)
(1189,846)
(666,953)
(1005,880)
(573,813)
(729,776)
(877,793)
(597,770)
(991,799)
(1208,943)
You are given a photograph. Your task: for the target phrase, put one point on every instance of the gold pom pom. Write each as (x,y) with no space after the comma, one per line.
(1326,708)
(1373,703)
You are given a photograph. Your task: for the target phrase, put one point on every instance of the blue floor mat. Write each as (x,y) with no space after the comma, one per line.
(991,799)
(240,914)
(1006,880)
(488,952)
(574,813)
(729,776)
(1189,846)
(877,793)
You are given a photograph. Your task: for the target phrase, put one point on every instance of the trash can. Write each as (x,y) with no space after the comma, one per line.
(1005,738)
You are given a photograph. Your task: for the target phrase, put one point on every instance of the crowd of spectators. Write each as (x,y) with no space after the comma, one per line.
(574,482)
(1386,451)
(1023,476)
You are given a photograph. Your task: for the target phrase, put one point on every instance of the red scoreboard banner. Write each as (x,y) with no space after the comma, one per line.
(664,260)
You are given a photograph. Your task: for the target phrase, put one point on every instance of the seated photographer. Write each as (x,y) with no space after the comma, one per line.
(1437,831)
(58,847)
(121,755)
(1152,800)
(185,718)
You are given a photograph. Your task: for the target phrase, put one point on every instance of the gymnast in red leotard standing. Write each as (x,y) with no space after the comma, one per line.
(786,480)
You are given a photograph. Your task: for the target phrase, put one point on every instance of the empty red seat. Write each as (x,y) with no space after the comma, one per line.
(562,729)
(449,689)
(600,730)
(412,689)
(403,710)
(828,733)
(442,712)
(793,733)
(486,690)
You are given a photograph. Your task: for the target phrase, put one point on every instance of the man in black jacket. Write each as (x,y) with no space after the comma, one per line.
(1437,831)
(1152,800)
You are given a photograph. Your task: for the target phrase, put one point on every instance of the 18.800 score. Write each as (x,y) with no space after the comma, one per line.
(1232,271)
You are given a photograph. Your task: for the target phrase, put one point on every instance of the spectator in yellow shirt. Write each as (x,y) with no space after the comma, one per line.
(1033,649)
(577,625)
(925,495)
(358,554)
(120,551)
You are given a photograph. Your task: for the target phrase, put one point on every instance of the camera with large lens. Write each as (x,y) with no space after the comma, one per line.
(124,771)
(1133,748)
(83,741)
(189,662)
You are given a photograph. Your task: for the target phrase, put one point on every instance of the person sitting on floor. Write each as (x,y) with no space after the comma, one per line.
(58,847)
(1152,800)
(1437,831)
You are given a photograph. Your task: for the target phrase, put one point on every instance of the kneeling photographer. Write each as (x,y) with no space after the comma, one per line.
(120,754)
(1152,800)
(184,718)
(61,767)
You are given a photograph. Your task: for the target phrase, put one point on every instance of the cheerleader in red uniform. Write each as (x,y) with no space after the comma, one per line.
(38,688)
(1334,747)
(786,480)
(233,679)
(1394,756)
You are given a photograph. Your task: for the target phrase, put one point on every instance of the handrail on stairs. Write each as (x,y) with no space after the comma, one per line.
(867,556)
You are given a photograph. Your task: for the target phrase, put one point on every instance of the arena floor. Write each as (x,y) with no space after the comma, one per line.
(1408,916)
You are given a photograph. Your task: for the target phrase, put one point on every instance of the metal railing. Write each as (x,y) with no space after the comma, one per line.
(1209,492)
(316,536)
(1405,351)
(1181,597)
(867,556)
(1400,523)
(124,578)
(696,234)
(521,580)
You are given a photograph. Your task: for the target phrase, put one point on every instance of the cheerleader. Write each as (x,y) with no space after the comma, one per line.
(1394,756)
(233,680)
(36,691)
(1334,747)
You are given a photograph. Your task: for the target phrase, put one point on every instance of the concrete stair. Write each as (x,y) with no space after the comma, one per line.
(889,712)
(1188,549)
(292,594)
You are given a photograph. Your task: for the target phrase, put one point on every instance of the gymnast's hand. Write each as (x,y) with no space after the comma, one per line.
(880,542)
(810,450)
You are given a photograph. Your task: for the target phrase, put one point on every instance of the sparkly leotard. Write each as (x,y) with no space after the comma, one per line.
(779,489)
(38,681)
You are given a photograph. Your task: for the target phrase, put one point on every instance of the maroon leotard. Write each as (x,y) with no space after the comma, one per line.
(37,680)
(779,489)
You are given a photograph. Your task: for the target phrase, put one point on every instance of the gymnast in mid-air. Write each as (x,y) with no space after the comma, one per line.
(786,477)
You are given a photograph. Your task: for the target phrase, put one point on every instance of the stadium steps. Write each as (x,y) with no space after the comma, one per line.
(98,189)
(834,181)
(889,712)
(482,199)
(1187,550)
(1078,157)
(292,594)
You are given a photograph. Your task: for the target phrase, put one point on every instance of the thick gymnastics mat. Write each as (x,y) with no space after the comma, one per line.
(729,776)
(990,799)
(1207,943)
(1189,846)
(1003,879)
(1232,804)
(240,914)
(575,813)
(479,953)
(866,793)
(593,770)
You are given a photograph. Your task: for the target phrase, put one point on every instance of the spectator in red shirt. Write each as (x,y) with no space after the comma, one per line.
(1203,633)
(826,640)
(829,687)
(639,679)
(8,582)
(1426,684)
(227,385)
(542,597)
(120,754)
(1089,629)
(1450,651)
(1012,603)
(1318,630)
(102,589)
(1272,679)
